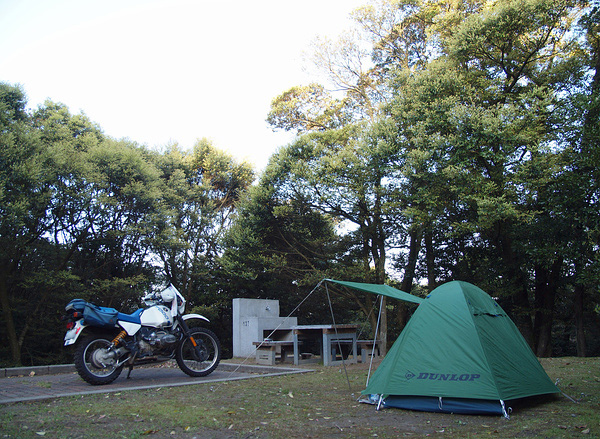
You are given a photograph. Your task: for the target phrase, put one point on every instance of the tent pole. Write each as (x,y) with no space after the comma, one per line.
(375,339)
(326,348)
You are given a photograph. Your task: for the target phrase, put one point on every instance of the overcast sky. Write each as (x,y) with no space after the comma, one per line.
(159,72)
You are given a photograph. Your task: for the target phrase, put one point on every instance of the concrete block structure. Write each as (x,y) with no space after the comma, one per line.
(255,319)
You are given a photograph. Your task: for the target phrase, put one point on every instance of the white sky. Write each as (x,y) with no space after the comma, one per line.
(165,71)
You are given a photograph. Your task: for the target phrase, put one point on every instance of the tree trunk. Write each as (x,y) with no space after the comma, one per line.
(379,257)
(414,247)
(520,296)
(546,284)
(409,273)
(9,323)
(383,327)
(578,313)
(430,260)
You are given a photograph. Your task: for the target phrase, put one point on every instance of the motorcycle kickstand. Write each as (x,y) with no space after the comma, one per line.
(130,366)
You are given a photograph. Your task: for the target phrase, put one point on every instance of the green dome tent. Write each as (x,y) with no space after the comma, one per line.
(459,353)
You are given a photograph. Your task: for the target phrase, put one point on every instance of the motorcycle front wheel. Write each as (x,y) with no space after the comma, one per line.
(94,362)
(199,353)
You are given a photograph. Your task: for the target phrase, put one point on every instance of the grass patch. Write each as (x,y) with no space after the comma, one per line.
(315,405)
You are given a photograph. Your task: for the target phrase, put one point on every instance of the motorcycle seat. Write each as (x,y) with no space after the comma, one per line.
(131,318)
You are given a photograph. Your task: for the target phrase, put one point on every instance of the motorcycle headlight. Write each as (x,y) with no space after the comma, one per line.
(168,295)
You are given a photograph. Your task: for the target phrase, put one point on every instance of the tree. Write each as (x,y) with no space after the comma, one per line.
(75,207)
(23,201)
(201,190)
(482,116)
(347,174)
(40,181)
(309,108)
(577,189)
(280,248)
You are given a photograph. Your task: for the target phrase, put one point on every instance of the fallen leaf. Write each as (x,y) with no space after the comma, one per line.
(291,395)
(586,431)
(40,433)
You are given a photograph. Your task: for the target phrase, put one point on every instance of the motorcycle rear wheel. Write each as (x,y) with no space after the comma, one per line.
(92,363)
(201,360)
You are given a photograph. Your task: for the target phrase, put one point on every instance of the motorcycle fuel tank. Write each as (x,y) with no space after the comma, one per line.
(156,316)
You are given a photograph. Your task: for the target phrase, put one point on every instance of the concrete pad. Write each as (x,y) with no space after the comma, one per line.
(32,387)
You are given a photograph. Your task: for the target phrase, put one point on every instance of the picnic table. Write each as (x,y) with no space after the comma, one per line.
(267,350)
(335,344)
(331,338)
(369,348)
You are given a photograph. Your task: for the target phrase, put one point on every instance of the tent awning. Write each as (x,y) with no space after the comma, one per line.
(384,290)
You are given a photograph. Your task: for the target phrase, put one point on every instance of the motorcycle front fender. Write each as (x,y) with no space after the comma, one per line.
(73,334)
(195,316)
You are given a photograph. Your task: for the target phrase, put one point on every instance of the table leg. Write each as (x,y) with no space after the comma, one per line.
(296,351)
(326,350)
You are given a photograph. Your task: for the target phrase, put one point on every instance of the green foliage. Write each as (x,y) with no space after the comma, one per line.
(471,158)
(87,216)
(200,193)
(307,108)
(280,250)
(461,142)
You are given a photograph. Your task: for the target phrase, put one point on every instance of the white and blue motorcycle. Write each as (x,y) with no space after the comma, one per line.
(107,340)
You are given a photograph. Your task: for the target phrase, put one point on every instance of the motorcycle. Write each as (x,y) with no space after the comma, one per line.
(107,340)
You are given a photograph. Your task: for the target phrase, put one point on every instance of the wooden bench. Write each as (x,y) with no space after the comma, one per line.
(366,348)
(266,350)
(343,348)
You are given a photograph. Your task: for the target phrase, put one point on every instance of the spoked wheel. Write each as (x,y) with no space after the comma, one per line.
(200,353)
(94,362)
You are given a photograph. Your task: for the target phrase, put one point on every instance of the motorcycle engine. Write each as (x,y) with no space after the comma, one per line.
(154,341)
